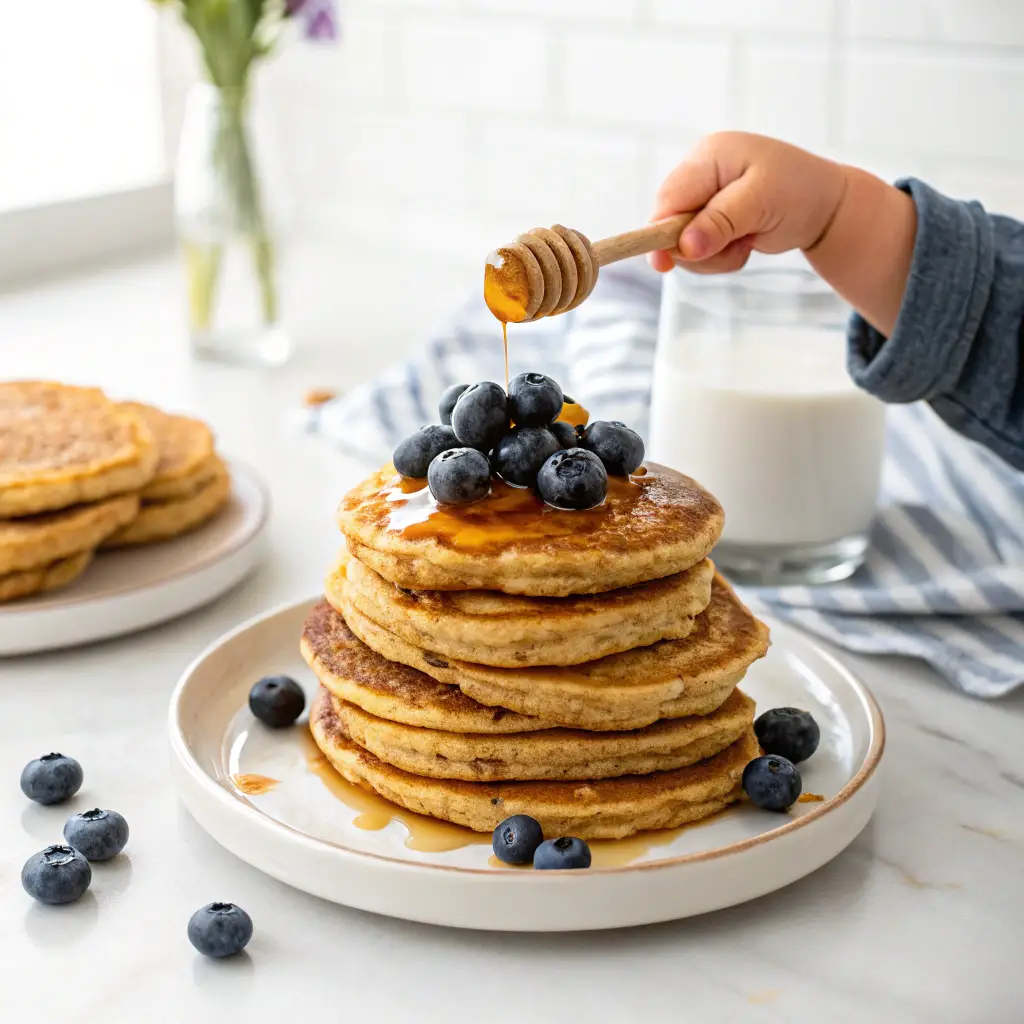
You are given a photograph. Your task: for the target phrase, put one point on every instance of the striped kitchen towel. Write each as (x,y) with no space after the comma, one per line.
(944,576)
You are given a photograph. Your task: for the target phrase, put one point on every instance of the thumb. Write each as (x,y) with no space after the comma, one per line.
(731,214)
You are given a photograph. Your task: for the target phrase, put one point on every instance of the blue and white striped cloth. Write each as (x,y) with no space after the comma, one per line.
(944,576)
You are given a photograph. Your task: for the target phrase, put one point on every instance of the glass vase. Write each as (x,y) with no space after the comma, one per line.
(229,213)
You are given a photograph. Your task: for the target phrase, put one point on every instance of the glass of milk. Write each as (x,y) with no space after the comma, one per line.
(751,397)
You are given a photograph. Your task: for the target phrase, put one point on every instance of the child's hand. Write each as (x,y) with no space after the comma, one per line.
(756,193)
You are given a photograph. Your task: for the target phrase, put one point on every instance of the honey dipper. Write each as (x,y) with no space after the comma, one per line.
(551,270)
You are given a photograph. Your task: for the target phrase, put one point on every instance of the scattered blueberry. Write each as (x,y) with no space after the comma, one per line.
(574,478)
(561,853)
(480,416)
(51,779)
(518,456)
(788,732)
(533,400)
(516,839)
(772,782)
(277,701)
(414,455)
(565,434)
(616,445)
(56,875)
(459,475)
(96,834)
(448,400)
(220,929)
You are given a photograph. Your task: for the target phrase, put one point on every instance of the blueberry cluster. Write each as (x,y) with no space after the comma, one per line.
(476,439)
(520,840)
(787,737)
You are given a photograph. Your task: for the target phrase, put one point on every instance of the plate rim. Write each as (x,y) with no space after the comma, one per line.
(236,545)
(188,762)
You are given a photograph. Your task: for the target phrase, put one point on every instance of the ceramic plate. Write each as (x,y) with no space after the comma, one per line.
(126,590)
(267,797)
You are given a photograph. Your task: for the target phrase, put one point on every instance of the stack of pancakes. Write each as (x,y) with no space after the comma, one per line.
(506,657)
(79,472)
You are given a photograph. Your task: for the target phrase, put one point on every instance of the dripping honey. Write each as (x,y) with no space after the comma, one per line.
(506,292)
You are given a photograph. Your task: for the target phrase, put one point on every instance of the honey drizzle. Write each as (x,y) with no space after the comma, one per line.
(254,784)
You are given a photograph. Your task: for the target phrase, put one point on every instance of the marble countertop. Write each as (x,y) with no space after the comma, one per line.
(914,922)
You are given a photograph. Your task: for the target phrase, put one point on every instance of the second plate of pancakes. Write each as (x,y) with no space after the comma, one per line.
(273,798)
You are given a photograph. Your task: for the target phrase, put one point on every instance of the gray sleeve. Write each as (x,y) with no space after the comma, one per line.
(957,343)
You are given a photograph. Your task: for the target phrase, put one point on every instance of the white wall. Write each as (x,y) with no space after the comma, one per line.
(450,125)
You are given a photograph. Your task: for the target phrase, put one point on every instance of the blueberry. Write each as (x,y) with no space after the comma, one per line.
(516,839)
(573,479)
(414,455)
(518,456)
(561,853)
(448,400)
(533,400)
(56,875)
(480,416)
(96,834)
(788,732)
(459,475)
(220,929)
(565,434)
(277,701)
(772,782)
(616,445)
(51,779)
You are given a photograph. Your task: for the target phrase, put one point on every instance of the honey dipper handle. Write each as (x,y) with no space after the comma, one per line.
(662,234)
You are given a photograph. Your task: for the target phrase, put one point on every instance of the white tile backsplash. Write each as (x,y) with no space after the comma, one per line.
(480,116)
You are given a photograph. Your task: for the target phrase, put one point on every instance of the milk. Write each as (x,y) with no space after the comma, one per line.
(766,417)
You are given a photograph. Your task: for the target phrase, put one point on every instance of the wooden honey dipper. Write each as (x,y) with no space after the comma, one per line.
(552,270)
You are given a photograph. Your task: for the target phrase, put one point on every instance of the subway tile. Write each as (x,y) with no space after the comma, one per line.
(583,10)
(800,16)
(995,22)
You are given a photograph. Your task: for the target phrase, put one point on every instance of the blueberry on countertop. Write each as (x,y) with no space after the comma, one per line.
(788,732)
(480,416)
(619,447)
(448,399)
(772,782)
(562,853)
(516,839)
(518,456)
(414,455)
(57,874)
(533,400)
(277,701)
(459,475)
(96,834)
(220,929)
(565,434)
(573,479)
(51,779)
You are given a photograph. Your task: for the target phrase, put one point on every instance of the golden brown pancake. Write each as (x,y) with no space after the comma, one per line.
(42,539)
(63,445)
(508,630)
(601,809)
(630,690)
(26,582)
(650,525)
(547,754)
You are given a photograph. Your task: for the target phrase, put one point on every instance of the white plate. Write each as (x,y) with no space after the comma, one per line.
(301,832)
(127,590)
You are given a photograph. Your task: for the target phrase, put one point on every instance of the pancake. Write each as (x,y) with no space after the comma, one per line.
(508,630)
(650,525)
(187,459)
(630,690)
(60,573)
(47,537)
(354,673)
(63,445)
(549,753)
(162,520)
(601,809)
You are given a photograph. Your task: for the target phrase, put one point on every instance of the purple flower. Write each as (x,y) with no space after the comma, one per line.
(318,18)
